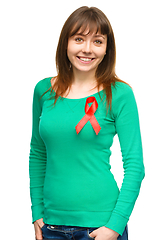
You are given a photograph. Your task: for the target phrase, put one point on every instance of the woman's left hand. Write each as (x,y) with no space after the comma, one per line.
(104,233)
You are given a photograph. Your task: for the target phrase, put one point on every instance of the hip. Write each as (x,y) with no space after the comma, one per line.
(72,233)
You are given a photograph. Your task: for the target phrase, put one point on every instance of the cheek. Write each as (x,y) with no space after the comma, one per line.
(71,51)
(101,54)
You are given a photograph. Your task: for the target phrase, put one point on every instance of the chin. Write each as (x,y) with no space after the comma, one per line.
(85,69)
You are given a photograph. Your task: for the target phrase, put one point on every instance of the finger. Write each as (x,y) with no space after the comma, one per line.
(39,235)
(40,222)
(42,225)
(93,234)
(38,232)
(37,227)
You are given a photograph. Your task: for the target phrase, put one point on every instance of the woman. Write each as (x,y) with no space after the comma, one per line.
(75,117)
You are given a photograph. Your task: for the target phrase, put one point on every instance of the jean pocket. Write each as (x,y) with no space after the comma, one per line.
(54,228)
(43,227)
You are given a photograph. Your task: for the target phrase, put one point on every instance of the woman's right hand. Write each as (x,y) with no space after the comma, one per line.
(37,227)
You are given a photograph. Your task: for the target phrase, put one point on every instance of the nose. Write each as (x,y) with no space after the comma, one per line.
(87,47)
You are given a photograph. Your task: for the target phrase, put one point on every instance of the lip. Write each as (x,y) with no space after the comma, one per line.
(85,62)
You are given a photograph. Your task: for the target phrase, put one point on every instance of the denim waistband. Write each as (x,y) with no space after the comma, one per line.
(67,228)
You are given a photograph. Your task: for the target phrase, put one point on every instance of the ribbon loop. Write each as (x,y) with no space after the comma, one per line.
(89,116)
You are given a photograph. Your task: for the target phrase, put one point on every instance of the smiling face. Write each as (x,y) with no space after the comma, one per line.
(86,50)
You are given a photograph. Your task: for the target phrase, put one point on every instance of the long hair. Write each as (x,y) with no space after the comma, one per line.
(94,20)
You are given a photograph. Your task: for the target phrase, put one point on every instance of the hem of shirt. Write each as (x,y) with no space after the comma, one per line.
(76,218)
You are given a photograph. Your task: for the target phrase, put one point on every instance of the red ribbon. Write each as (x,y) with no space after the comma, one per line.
(89,116)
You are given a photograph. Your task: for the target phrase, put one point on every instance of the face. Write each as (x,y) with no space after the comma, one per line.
(86,51)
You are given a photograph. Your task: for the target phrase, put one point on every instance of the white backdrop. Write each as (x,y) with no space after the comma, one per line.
(29,35)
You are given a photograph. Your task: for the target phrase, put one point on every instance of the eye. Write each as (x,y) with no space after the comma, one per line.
(98,42)
(79,40)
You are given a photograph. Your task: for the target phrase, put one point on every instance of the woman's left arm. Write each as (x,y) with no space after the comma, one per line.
(128,130)
(126,117)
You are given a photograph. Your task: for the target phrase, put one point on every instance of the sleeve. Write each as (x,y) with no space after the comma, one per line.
(37,160)
(128,130)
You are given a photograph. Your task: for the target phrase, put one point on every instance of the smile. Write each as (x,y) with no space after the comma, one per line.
(85,59)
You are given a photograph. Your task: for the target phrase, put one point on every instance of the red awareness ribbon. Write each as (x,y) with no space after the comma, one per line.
(89,116)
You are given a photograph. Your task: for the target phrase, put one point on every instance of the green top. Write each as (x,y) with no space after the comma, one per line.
(70,178)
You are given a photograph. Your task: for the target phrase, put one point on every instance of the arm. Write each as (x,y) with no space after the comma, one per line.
(37,160)
(128,130)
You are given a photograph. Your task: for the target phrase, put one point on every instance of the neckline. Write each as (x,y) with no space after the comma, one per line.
(78,99)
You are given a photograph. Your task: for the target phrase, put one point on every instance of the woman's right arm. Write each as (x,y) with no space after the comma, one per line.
(37,163)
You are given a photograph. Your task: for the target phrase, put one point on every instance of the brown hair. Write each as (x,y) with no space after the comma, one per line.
(95,20)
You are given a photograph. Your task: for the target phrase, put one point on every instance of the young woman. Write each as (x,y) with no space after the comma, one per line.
(75,117)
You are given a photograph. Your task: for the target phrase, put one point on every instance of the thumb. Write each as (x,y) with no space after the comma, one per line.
(38,233)
(40,222)
(93,234)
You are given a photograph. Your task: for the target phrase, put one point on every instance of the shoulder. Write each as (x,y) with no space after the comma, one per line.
(44,83)
(42,86)
(122,91)
(123,98)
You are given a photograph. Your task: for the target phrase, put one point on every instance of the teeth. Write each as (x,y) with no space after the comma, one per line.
(86,59)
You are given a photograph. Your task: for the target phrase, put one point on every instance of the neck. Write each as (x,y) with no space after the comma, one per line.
(84,78)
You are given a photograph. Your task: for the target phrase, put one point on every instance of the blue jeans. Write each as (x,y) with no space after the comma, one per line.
(71,233)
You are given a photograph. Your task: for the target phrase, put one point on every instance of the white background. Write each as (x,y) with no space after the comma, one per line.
(29,36)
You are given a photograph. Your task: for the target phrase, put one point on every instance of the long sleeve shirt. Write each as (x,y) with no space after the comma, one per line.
(70,174)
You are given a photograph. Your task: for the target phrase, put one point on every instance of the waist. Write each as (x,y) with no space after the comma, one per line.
(80,194)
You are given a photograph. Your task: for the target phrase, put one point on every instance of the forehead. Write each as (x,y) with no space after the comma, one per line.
(86,29)
(87,32)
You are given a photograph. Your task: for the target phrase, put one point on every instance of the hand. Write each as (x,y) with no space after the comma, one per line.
(104,233)
(37,227)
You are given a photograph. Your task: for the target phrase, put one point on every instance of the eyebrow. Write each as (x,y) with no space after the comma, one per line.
(96,35)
